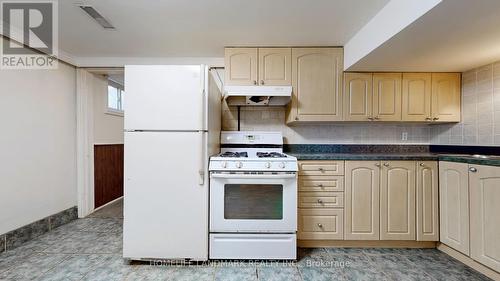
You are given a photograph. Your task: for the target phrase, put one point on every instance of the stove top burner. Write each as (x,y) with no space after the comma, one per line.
(270,155)
(234,154)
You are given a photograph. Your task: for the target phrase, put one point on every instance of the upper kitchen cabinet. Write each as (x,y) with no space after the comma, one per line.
(317,85)
(446,96)
(241,66)
(258,66)
(387,96)
(416,97)
(275,66)
(358,96)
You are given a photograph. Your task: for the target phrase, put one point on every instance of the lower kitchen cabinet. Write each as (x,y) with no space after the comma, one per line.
(427,198)
(377,200)
(454,205)
(397,200)
(362,208)
(321,224)
(484,184)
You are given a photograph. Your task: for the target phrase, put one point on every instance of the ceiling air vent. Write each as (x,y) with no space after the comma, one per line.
(97,17)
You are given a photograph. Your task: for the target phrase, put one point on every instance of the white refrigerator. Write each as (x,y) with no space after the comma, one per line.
(172,126)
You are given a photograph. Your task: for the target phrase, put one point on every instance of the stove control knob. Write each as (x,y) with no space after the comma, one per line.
(224,164)
(282,165)
(268,165)
(239,165)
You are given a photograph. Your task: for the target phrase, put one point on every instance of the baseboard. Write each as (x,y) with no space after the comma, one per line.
(19,236)
(469,262)
(365,244)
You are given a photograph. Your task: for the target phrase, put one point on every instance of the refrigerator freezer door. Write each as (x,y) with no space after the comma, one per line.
(165,97)
(165,201)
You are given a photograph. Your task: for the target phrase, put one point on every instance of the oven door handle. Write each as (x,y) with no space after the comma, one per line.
(253,176)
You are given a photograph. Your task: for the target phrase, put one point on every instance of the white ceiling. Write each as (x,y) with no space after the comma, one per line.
(201,28)
(456,35)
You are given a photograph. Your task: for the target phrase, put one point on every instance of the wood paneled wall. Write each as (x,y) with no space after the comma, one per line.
(108,173)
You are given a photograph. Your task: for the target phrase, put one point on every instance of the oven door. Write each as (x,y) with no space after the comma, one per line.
(250,203)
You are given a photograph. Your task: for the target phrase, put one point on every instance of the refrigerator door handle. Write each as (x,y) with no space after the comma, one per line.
(201,170)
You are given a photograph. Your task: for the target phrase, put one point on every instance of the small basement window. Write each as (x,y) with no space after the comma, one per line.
(116,95)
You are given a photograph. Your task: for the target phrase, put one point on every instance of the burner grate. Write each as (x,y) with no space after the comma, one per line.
(270,155)
(234,154)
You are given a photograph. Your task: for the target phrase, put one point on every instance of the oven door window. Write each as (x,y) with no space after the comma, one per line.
(253,201)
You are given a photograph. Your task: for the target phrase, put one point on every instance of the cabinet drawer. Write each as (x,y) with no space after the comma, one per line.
(321,168)
(321,183)
(321,199)
(321,224)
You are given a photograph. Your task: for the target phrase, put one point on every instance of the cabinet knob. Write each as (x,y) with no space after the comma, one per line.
(370,118)
(435,118)
(377,165)
(320,225)
(422,164)
(321,169)
(376,118)
(320,201)
(386,164)
(255,82)
(428,118)
(320,185)
(296,118)
(472,169)
(262,82)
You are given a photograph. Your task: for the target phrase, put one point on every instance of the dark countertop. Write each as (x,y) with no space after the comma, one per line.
(492,161)
(365,156)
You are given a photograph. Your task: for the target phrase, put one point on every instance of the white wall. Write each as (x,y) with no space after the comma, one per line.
(108,129)
(37,144)
(394,17)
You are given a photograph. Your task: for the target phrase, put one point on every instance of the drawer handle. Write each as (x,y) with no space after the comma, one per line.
(320,185)
(320,201)
(321,169)
(320,225)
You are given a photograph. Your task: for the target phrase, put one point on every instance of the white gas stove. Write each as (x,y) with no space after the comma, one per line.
(254,152)
(253,198)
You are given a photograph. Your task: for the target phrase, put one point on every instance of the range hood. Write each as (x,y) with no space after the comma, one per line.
(257,95)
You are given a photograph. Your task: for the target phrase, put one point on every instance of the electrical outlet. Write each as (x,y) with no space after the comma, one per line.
(404,136)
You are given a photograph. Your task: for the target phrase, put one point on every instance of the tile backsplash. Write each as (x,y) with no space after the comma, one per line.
(480,110)
(273,119)
(480,120)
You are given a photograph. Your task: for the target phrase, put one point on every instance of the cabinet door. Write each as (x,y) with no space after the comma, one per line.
(397,200)
(446,97)
(358,96)
(241,66)
(387,96)
(317,82)
(427,201)
(275,66)
(485,215)
(454,205)
(416,97)
(361,206)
